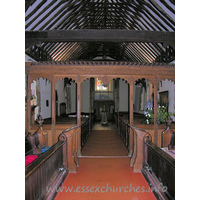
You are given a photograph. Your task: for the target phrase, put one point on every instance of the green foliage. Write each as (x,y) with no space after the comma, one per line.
(149,116)
(162,114)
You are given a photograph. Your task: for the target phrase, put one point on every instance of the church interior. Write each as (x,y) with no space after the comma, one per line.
(100,99)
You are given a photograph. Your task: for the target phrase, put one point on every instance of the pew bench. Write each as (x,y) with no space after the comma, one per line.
(35,145)
(47,171)
(159,171)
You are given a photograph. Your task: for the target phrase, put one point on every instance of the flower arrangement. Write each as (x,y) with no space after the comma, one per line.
(162,115)
(149,116)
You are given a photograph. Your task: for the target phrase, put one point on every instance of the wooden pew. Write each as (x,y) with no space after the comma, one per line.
(159,171)
(28,146)
(38,139)
(46,173)
(167,135)
(29,156)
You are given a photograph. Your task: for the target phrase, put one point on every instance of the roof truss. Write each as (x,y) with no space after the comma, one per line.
(100,35)
(127,30)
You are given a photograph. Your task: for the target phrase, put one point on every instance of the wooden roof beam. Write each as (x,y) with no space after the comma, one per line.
(99,35)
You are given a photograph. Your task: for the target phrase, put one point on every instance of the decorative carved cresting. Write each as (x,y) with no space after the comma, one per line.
(101,63)
(97,69)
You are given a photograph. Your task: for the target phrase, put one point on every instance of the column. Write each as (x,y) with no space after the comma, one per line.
(131,101)
(53,111)
(28,119)
(155,109)
(79,117)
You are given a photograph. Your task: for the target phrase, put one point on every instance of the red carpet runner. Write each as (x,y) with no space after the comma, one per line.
(105,178)
(104,143)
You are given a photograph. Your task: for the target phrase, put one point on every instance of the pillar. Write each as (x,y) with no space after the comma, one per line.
(131,101)
(28,117)
(53,110)
(79,117)
(155,109)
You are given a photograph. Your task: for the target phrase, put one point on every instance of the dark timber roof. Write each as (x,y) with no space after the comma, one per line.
(53,30)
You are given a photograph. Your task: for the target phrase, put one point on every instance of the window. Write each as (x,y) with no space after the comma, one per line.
(104,92)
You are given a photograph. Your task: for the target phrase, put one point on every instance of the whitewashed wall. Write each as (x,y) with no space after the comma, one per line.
(123,96)
(60,93)
(73,97)
(45,92)
(33,92)
(170,87)
(85,96)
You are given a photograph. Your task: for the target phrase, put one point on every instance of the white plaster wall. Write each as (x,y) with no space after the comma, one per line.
(85,96)
(45,92)
(123,96)
(60,93)
(33,91)
(73,97)
(28,59)
(170,87)
(137,95)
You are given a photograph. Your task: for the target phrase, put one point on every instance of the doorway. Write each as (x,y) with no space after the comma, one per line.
(107,106)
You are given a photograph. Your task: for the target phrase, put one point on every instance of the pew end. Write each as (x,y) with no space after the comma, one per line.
(168,139)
